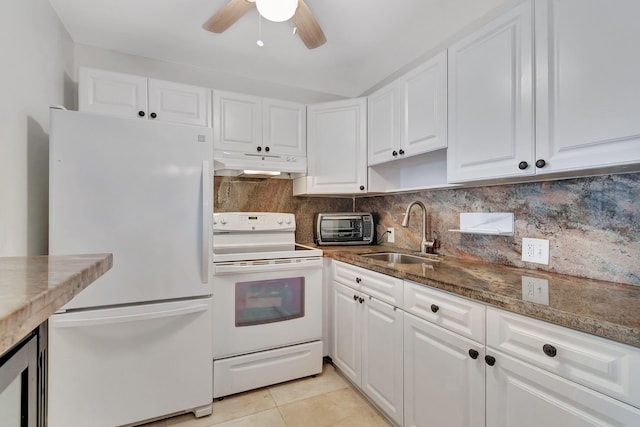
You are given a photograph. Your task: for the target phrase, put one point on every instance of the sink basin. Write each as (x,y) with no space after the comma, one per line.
(398,258)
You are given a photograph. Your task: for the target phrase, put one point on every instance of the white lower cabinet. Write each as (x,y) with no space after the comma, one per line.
(346,331)
(367,342)
(443,377)
(429,362)
(548,375)
(382,356)
(521,395)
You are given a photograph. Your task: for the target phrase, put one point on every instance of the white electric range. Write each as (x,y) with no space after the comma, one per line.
(267,302)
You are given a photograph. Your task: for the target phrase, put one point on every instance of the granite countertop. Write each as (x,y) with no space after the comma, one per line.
(33,288)
(606,309)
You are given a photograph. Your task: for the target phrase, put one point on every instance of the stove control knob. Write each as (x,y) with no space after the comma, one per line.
(288,221)
(279,221)
(223,220)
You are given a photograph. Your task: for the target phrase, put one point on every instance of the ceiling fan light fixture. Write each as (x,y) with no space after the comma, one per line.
(277,10)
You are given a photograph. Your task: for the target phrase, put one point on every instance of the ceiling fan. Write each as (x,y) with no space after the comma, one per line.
(305,25)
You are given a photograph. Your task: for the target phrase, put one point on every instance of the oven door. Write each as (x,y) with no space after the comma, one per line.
(266,304)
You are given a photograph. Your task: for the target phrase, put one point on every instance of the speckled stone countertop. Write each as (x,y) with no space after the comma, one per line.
(605,309)
(33,288)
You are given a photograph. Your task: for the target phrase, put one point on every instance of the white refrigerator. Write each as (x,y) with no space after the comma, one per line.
(136,344)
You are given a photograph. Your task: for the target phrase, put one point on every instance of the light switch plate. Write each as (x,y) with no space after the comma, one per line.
(535,250)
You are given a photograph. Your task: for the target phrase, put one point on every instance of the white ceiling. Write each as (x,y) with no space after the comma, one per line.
(367,40)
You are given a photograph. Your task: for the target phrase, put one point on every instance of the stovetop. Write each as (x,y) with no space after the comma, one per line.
(245,236)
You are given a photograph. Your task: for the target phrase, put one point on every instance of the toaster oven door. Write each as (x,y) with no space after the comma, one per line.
(341,229)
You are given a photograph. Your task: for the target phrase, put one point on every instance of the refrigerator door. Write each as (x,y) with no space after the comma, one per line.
(140,190)
(123,365)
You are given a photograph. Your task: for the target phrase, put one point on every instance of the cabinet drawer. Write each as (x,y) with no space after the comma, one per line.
(384,288)
(454,313)
(603,365)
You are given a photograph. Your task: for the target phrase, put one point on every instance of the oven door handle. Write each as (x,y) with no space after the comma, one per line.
(244,267)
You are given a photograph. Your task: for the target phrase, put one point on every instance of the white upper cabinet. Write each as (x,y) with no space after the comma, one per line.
(491,100)
(587,68)
(383,120)
(126,95)
(251,124)
(284,127)
(409,116)
(108,92)
(237,122)
(337,149)
(586,92)
(176,102)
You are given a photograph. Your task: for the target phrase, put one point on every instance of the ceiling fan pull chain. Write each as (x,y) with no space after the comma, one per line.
(260,42)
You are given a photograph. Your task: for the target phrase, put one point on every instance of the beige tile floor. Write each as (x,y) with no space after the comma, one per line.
(324,401)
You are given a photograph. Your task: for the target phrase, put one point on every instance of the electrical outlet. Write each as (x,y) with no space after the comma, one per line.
(535,250)
(391,235)
(535,290)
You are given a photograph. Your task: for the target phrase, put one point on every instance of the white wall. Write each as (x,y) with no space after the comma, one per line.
(37,59)
(90,56)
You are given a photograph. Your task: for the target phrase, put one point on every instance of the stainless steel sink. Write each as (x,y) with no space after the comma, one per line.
(399,258)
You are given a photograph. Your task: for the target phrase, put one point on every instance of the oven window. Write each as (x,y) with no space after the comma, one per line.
(267,301)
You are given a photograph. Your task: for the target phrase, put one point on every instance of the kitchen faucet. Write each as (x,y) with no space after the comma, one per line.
(426,246)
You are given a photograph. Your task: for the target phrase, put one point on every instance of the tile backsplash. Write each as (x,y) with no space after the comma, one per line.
(592,224)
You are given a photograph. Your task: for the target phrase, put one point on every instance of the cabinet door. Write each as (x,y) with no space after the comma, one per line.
(491,100)
(179,103)
(382,356)
(587,83)
(336,147)
(443,384)
(384,123)
(237,122)
(520,395)
(284,127)
(346,331)
(108,92)
(424,98)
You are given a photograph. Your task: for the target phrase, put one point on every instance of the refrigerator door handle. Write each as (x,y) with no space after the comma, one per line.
(206,220)
(109,320)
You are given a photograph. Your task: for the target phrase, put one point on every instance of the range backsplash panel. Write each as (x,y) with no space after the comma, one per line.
(274,195)
(592,224)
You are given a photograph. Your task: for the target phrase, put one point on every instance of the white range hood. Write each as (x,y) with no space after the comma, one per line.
(228,163)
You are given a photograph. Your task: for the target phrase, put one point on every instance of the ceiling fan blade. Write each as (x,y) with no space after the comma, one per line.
(308,28)
(227,15)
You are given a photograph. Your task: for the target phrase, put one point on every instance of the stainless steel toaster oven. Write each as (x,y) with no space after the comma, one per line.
(344,228)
